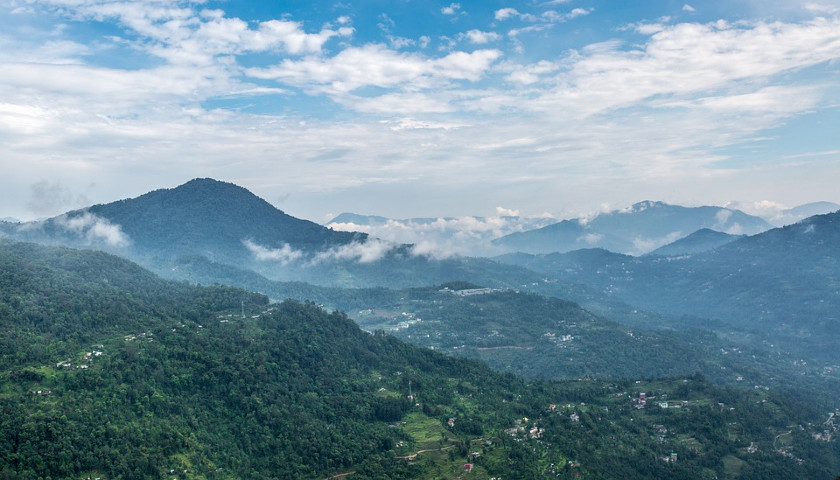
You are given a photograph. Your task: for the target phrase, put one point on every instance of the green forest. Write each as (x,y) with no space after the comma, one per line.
(109,371)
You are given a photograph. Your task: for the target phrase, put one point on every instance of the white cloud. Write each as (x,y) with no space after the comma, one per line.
(479,37)
(688,8)
(452,9)
(285,254)
(530,74)
(506,212)
(612,115)
(722,216)
(643,245)
(548,17)
(94,229)
(592,238)
(822,8)
(376,65)
(183,35)
(369,251)
(505,13)
(440,238)
(436,251)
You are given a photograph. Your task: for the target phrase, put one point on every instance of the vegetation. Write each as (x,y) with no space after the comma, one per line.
(116,373)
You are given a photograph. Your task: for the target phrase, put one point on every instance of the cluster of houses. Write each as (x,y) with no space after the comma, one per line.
(140,336)
(553,337)
(87,359)
(521,429)
(830,427)
(468,292)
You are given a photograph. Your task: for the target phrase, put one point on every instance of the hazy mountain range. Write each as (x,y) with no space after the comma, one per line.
(785,280)
(635,230)
(746,309)
(782,280)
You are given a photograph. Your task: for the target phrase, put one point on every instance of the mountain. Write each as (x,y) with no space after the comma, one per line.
(206,217)
(793,215)
(699,241)
(634,230)
(783,282)
(115,373)
(563,236)
(356,219)
(250,243)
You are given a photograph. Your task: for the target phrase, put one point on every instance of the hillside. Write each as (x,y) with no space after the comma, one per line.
(783,282)
(168,384)
(700,241)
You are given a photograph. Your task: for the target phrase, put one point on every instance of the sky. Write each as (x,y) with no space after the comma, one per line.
(420,108)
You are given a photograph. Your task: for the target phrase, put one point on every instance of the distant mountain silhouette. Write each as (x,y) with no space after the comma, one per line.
(634,230)
(795,214)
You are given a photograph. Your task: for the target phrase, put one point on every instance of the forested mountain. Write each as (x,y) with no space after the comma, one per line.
(203,216)
(635,230)
(115,373)
(783,282)
(228,225)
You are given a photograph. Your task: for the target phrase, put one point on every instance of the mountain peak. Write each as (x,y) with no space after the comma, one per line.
(211,217)
(644,205)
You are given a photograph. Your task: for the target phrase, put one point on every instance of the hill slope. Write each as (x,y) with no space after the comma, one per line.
(169,386)
(785,281)
(700,241)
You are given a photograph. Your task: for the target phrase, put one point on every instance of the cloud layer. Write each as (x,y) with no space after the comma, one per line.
(496,106)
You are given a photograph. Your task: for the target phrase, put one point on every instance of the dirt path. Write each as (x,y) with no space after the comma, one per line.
(341,475)
(418,452)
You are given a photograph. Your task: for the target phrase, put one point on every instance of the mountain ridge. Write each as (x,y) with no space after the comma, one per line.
(635,230)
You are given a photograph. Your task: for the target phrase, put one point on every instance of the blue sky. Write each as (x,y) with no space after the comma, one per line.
(419,108)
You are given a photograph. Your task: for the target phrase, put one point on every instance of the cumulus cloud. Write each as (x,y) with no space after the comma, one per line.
(722,216)
(93,229)
(436,251)
(530,74)
(617,115)
(452,9)
(592,238)
(643,245)
(285,254)
(505,13)
(548,17)
(440,238)
(479,37)
(182,34)
(368,251)
(506,212)
(375,65)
